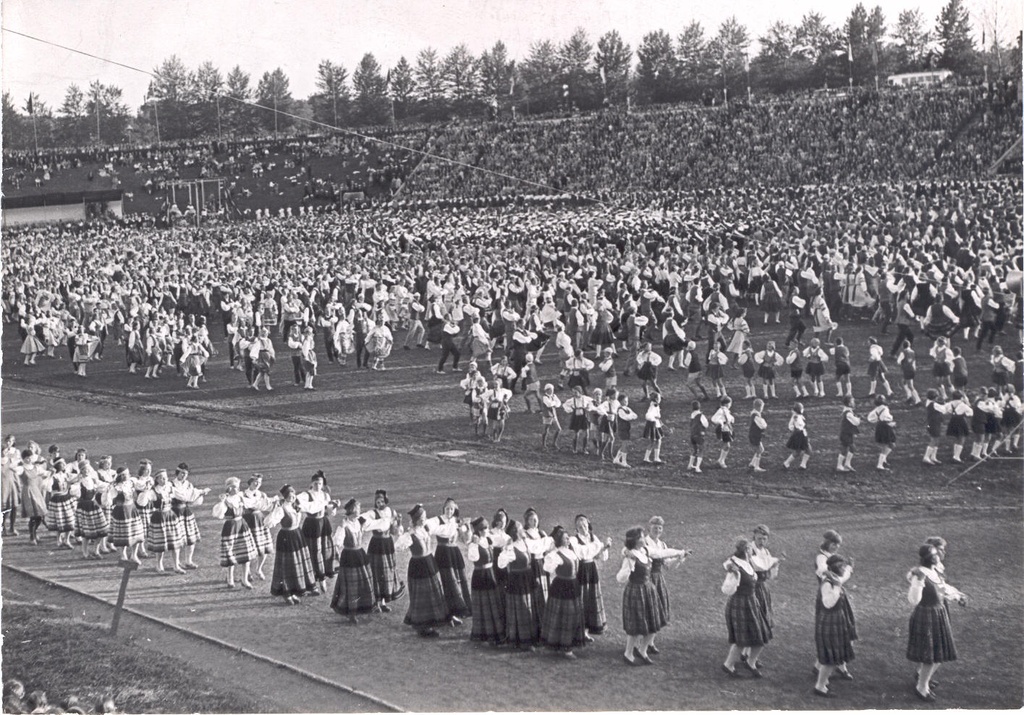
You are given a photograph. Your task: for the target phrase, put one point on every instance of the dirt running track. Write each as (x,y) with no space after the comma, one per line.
(382,657)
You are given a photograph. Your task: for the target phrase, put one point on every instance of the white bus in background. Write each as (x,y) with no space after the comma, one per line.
(920,79)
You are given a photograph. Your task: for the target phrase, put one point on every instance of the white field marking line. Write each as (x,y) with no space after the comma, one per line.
(216,641)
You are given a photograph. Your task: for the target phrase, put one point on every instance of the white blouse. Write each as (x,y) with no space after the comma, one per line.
(553,560)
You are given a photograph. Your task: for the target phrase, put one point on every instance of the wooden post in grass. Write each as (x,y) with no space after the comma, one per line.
(129,566)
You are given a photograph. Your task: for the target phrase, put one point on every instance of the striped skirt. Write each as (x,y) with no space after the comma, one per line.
(317,532)
(452,568)
(90,521)
(834,633)
(236,543)
(488,604)
(165,532)
(260,533)
(381,551)
(126,527)
(763,597)
(930,635)
(522,622)
(293,572)
(590,593)
(146,513)
(640,612)
(540,586)
(562,627)
(427,605)
(188,523)
(661,588)
(60,513)
(745,621)
(353,590)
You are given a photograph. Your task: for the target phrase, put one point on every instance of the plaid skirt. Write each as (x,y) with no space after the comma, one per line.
(930,635)
(562,627)
(834,633)
(90,521)
(260,533)
(745,621)
(165,532)
(146,512)
(452,569)
(293,573)
(381,551)
(764,601)
(60,513)
(317,532)
(661,589)
(427,605)
(488,604)
(540,586)
(640,613)
(236,543)
(522,622)
(590,594)
(353,590)
(126,527)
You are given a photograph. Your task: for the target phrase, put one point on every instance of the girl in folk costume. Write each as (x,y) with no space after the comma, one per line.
(488,600)
(698,428)
(842,367)
(344,337)
(577,407)
(538,543)
(144,499)
(822,317)
(522,615)
(717,361)
(980,410)
(624,418)
(993,422)
(1002,367)
(294,341)
(385,524)
(531,384)
(10,485)
(307,356)
(317,506)
(834,626)
(959,429)
(166,532)
(606,424)
(293,573)
(741,333)
(447,529)
(247,363)
(126,530)
(744,617)
(771,299)
(1011,419)
(647,369)
(748,368)
(767,362)
(353,589)
(596,412)
(876,368)
(480,343)
(724,423)
(673,338)
(31,345)
(134,348)
(562,627)
(690,362)
(849,428)
(642,616)
(380,341)
(661,556)
(940,321)
(254,505)
(830,544)
(960,377)
(797,364)
(758,426)
(237,547)
(86,345)
(798,444)
(550,404)
(942,368)
(194,357)
(653,430)
(417,332)
(428,607)
(34,477)
(934,412)
(474,385)
(885,431)
(766,568)
(184,496)
(497,402)
(60,506)
(930,635)
(499,540)
(907,360)
(264,357)
(588,548)
(153,353)
(816,359)
(90,521)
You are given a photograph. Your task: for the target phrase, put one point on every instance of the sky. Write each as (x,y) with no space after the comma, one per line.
(260,35)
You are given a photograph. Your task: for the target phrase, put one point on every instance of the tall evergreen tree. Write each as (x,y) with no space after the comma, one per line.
(330,102)
(613,60)
(656,67)
(953,32)
(273,93)
(370,86)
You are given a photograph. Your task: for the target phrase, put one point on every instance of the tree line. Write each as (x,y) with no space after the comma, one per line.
(694,66)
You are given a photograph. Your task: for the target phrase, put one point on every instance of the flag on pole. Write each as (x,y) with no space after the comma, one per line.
(983,39)
(29,106)
(874,54)
(604,78)
(512,86)
(849,50)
